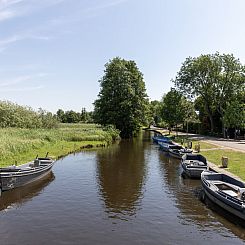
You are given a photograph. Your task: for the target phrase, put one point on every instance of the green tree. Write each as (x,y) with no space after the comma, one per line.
(229,85)
(197,77)
(122,100)
(72,117)
(155,111)
(234,116)
(60,115)
(175,108)
(217,79)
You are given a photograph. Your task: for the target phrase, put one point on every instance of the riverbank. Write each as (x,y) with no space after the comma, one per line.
(214,153)
(214,149)
(22,145)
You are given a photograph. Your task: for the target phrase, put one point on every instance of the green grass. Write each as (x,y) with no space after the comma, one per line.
(236,160)
(23,145)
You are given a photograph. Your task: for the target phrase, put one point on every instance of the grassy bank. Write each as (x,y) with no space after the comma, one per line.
(214,154)
(236,160)
(22,145)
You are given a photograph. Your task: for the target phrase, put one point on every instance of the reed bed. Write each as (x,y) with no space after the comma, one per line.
(17,144)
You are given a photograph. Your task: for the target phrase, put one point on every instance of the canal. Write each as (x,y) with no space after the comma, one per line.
(129,193)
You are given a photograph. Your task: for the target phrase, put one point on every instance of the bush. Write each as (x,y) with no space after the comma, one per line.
(13,115)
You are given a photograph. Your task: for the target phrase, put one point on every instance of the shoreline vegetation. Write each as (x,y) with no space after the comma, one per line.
(214,154)
(20,145)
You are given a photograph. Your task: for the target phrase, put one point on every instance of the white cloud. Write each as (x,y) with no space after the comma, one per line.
(13,8)
(10,84)
(23,89)
(4,43)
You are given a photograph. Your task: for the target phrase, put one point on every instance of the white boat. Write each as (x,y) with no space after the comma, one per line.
(178,151)
(193,165)
(225,191)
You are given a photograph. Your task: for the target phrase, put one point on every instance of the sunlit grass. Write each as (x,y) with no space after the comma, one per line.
(236,160)
(23,145)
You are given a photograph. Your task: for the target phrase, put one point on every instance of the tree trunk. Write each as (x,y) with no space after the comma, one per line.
(223,128)
(210,117)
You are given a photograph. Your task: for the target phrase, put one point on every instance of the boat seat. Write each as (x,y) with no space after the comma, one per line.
(230,192)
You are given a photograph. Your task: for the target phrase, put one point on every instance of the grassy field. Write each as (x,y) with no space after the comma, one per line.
(22,145)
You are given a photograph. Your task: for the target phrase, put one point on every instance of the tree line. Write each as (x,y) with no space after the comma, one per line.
(71,116)
(208,93)
(14,115)
(208,96)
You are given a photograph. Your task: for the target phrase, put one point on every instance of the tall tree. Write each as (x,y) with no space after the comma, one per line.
(234,116)
(229,85)
(197,77)
(122,100)
(217,79)
(176,108)
(155,111)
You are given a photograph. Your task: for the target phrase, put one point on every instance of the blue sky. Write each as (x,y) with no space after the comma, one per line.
(53,52)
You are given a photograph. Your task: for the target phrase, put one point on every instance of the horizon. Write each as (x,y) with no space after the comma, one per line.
(53,52)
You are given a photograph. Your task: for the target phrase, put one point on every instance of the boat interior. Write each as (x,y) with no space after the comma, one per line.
(228,185)
(195,163)
(195,157)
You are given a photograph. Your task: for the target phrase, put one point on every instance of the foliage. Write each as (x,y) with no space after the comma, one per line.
(216,79)
(122,100)
(155,112)
(234,116)
(13,115)
(197,77)
(177,109)
(74,117)
(230,83)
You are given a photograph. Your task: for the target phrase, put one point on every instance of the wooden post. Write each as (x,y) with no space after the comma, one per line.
(224,162)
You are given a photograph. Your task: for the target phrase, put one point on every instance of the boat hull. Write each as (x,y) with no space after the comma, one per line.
(226,202)
(175,155)
(191,172)
(11,180)
(193,165)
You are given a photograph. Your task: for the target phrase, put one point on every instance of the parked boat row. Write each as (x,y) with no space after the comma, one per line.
(225,191)
(16,176)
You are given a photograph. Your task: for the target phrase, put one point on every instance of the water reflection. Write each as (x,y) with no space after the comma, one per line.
(121,172)
(17,197)
(186,193)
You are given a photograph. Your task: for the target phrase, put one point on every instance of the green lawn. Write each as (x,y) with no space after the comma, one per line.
(236,160)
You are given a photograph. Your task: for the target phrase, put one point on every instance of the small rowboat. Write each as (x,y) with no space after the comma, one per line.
(193,165)
(226,191)
(16,176)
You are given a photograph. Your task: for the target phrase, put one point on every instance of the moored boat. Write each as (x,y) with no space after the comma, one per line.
(226,191)
(193,165)
(165,145)
(16,176)
(161,138)
(178,151)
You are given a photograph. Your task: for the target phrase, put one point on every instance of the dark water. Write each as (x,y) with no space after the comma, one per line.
(130,193)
